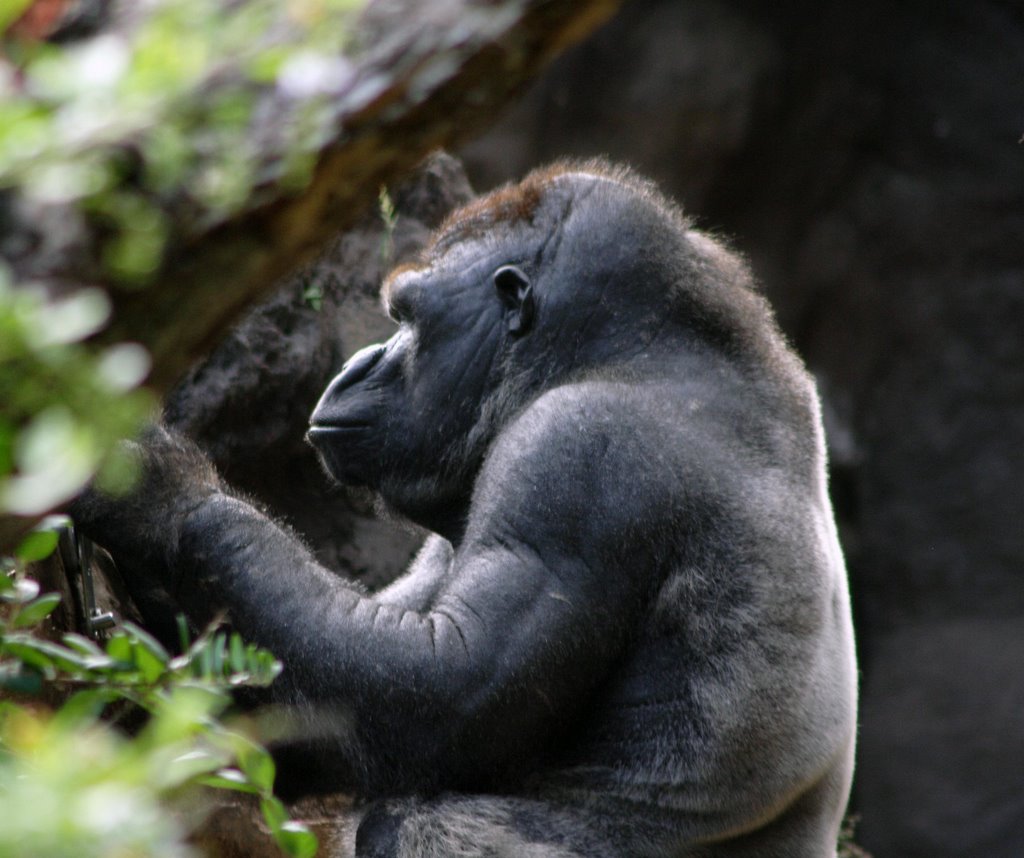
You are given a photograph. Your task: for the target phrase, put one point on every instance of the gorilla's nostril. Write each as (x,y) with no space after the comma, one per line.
(357,366)
(355,370)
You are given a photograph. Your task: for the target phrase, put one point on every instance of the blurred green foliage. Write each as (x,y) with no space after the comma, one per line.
(177,118)
(174,120)
(188,113)
(71,785)
(61,406)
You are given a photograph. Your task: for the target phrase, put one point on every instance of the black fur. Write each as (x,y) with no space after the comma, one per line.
(630,634)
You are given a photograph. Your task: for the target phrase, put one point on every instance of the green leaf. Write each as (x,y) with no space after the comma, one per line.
(43,654)
(92,656)
(297,840)
(185,710)
(219,648)
(273,812)
(237,654)
(146,653)
(119,648)
(22,590)
(261,666)
(148,642)
(270,667)
(189,766)
(37,610)
(183,635)
(28,655)
(83,645)
(38,545)
(83,707)
(56,454)
(313,295)
(231,779)
(149,665)
(205,661)
(258,766)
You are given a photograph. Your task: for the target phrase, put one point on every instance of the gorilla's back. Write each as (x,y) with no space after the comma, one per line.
(735,708)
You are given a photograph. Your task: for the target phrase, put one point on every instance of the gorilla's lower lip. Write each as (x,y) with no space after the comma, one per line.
(317,433)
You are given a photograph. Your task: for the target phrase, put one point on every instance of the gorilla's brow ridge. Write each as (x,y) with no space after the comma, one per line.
(395,274)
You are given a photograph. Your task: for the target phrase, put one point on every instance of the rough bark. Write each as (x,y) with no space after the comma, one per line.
(430,74)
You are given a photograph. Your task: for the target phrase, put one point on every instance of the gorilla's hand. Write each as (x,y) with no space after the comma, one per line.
(140,528)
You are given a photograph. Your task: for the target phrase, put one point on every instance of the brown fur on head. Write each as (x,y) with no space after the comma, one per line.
(515,202)
(510,203)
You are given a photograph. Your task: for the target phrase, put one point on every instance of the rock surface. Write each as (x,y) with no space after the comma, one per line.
(248,403)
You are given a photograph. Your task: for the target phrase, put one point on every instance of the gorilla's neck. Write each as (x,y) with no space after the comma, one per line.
(450,524)
(445,515)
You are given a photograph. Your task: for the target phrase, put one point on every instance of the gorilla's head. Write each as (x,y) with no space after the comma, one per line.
(579,269)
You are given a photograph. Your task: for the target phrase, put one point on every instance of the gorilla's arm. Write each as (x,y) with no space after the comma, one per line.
(418,588)
(523,626)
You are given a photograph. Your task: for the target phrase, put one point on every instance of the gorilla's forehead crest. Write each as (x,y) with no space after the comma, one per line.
(520,202)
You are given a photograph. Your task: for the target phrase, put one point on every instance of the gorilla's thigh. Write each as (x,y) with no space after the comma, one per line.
(481,827)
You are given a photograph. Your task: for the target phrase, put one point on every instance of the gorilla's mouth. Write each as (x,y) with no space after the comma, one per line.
(322,436)
(339,447)
(321,430)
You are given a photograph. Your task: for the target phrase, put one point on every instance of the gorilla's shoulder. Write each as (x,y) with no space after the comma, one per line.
(597,442)
(591,409)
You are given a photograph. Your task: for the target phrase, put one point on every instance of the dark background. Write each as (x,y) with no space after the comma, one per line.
(867,158)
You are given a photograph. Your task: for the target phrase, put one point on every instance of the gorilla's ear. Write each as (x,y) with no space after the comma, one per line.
(514,290)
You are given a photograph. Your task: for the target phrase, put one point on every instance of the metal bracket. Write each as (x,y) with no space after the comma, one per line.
(76,554)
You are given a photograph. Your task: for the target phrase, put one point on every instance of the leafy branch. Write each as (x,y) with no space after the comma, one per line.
(70,759)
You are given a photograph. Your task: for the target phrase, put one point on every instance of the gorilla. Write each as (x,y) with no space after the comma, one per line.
(628,633)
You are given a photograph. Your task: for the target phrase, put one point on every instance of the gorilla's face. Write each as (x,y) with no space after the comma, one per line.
(406,417)
(517,291)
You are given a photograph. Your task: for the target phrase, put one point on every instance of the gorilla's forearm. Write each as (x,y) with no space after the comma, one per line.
(438,679)
(231,556)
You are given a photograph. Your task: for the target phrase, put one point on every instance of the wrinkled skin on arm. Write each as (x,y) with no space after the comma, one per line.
(629,633)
